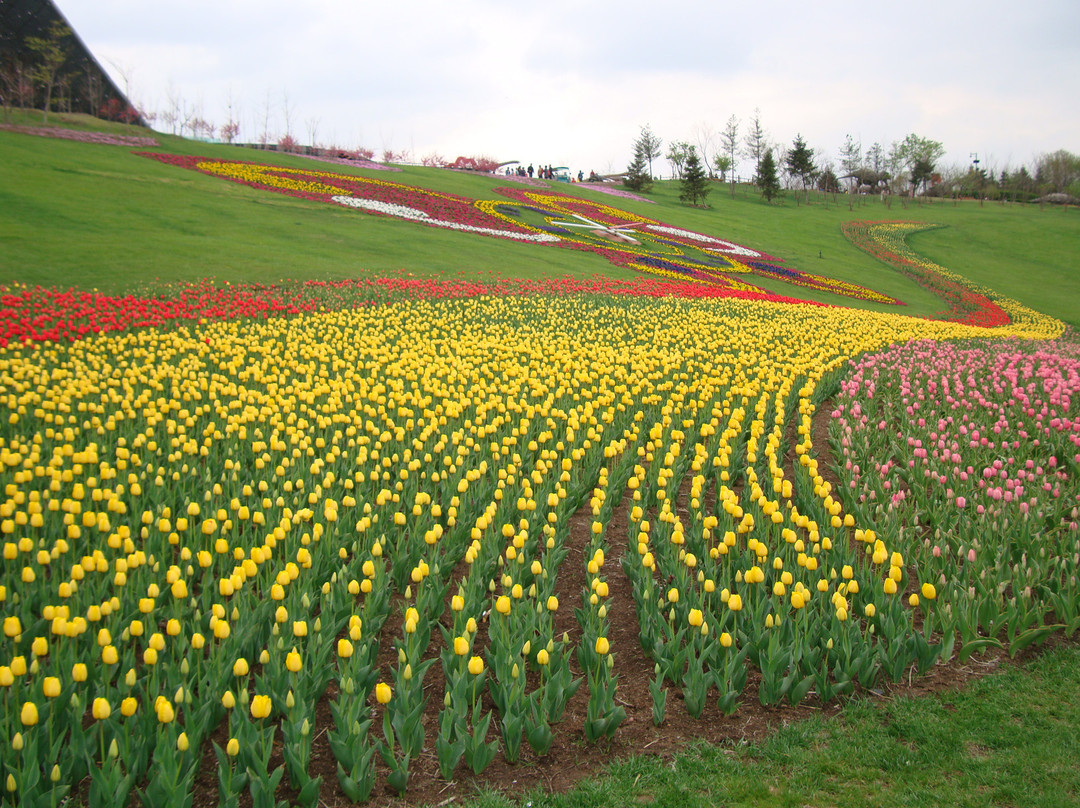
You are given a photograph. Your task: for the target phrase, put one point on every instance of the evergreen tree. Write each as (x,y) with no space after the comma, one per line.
(800,163)
(637,176)
(767,180)
(695,185)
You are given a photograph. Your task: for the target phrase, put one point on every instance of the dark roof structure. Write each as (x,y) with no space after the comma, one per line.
(83,85)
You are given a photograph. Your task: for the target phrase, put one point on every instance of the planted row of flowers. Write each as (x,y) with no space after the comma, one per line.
(63,315)
(205,527)
(966,303)
(132,141)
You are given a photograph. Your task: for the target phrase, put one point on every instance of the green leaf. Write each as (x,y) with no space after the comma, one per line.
(974,646)
(1034,635)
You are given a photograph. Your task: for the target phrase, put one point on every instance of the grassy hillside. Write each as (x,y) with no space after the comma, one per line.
(101,216)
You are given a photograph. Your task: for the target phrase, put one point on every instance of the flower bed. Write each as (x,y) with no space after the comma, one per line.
(619,192)
(885,241)
(357,162)
(40,314)
(133,141)
(209,531)
(968,454)
(542,217)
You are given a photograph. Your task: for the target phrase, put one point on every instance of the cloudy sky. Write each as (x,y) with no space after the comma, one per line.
(571,82)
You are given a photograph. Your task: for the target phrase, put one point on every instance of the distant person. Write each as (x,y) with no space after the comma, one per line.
(530,170)
(580,175)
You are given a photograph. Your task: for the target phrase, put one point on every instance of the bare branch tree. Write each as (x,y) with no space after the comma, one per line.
(705,140)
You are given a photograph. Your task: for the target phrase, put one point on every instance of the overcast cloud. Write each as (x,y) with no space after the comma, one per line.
(571,83)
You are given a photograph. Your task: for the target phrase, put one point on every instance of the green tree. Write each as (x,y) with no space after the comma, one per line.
(766,178)
(650,144)
(800,163)
(52,52)
(677,154)
(827,181)
(917,156)
(695,183)
(1058,172)
(637,176)
(722,164)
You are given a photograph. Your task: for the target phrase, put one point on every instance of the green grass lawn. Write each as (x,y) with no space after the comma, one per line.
(101,216)
(1010,739)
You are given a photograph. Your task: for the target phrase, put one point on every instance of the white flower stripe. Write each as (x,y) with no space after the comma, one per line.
(725,246)
(416,215)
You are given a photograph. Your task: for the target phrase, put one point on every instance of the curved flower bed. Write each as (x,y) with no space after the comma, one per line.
(82,137)
(359,162)
(619,192)
(886,242)
(541,216)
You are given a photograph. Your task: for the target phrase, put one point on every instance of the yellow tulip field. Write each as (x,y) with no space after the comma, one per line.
(210,528)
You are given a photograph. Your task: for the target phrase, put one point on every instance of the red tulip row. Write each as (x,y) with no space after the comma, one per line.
(41,314)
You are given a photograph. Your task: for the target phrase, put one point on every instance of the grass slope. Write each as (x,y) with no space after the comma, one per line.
(101,216)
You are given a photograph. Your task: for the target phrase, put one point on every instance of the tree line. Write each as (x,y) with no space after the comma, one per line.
(909,167)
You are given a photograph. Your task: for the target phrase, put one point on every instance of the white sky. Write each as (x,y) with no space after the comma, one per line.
(571,82)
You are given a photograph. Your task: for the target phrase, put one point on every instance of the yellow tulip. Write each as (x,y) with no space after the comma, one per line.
(29,714)
(164,709)
(293,661)
(260,706)
(101,709)
(383,693)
